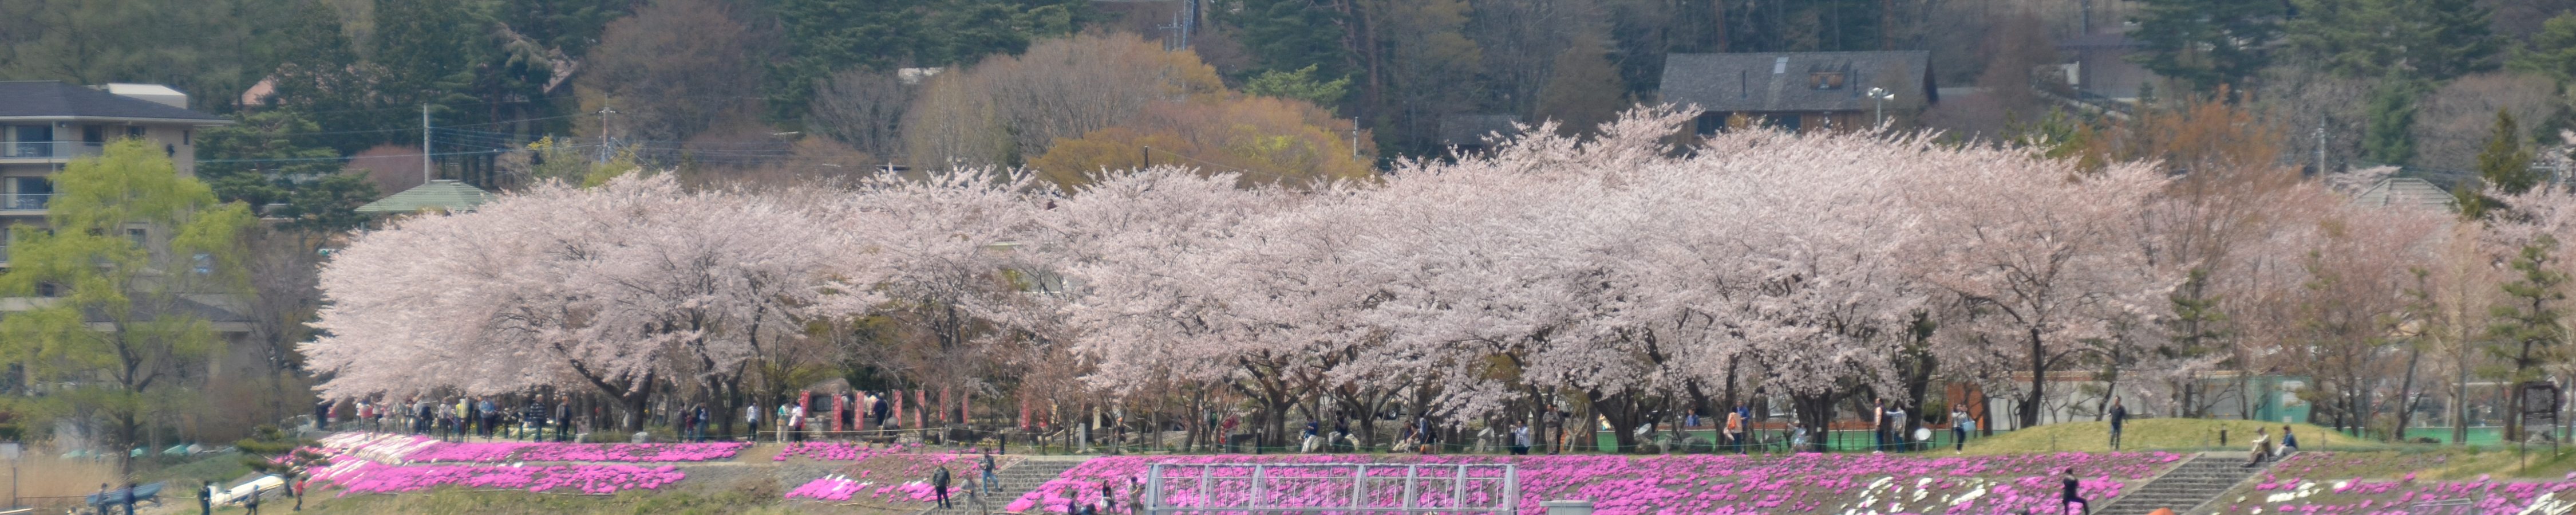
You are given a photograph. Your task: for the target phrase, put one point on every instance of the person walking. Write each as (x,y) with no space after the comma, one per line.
(1959,429)
(2119,416)
(2068,496)
(250,505)
(939,485)
(296,488)
(751,419)
(989,476)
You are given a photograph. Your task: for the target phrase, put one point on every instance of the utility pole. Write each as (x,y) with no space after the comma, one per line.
(426,172)
(1148,152)
(603,132)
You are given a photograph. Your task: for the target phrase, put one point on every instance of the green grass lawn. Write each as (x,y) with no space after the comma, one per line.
(2172,434)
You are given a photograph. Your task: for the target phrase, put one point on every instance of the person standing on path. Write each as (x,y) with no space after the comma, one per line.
(1135,495)
(1959,429)
(1896,426)
(939,485)
(1520,439)
(1734,431)
(2068,479)
(206,499)
(2119,416)
(1878,426)
(251,504)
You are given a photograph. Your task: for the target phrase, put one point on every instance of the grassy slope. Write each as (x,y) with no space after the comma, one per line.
(2157,434)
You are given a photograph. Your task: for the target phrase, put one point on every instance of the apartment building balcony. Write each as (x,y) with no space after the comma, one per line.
(45,151)
(24,202)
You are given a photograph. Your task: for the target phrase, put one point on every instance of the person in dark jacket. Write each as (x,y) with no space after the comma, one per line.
(206,499)
(2119,417)
(939,485)
(2068,479)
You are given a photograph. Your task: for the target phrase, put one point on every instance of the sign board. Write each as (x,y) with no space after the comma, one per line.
(2539,403)
(9,450)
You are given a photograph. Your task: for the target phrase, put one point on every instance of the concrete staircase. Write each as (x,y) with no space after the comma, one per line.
(1014,481)
(2187,486)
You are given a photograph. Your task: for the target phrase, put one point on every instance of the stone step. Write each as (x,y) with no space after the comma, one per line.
(2186,487)
(1010,483)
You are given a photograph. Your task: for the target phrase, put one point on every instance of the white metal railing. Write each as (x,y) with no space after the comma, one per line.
(46,149)
(24,201)
(1331,488)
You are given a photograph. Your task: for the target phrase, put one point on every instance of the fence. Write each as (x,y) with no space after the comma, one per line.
(1340,488)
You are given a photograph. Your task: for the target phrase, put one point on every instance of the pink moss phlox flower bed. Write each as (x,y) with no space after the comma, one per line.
(383,447)
(2282,490)
(1620,485)
(398,448)
(892,477)
(839,451)
(830,488)
(370,477)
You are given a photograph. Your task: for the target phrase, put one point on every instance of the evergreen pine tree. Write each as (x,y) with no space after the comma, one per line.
(2432,39)
(1584,89)
(2391,110)
(2206,43)
(2505,164)
(2526,327)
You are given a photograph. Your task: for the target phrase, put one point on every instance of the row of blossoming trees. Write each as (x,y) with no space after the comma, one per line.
(1624,275)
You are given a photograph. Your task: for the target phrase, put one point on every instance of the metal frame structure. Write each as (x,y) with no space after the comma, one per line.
(1501,481)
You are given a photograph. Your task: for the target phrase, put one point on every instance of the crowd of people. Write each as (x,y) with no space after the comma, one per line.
(804,416)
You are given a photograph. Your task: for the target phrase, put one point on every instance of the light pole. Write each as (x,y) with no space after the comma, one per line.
(1882,95)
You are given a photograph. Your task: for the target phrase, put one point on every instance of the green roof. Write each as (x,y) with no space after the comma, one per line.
(439,194)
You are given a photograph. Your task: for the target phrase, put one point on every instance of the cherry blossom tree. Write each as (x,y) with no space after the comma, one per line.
(612,288)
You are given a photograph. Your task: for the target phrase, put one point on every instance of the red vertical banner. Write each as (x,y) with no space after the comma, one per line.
(945,409)
(861,417)
(838,404)
(804,405)
(920,398)
(1024,413)
(966,406)
(898,406)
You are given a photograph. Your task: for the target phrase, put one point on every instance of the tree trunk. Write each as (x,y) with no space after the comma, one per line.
(2406,395)
(2038,381)
(1816,411)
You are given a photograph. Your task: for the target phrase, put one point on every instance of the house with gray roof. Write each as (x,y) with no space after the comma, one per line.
(44,125)
(2406,191)
(1800,91)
